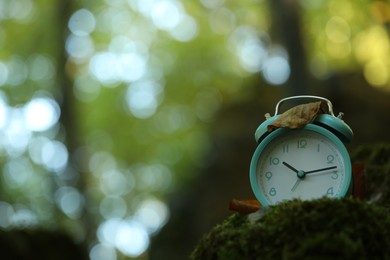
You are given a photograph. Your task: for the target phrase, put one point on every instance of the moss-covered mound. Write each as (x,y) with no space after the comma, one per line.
(320,229)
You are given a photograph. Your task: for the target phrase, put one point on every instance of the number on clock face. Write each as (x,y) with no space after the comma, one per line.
(300,164)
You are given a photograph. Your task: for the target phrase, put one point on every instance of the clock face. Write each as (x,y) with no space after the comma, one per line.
(302,163)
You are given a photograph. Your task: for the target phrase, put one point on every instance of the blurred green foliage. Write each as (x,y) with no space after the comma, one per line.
(106,106)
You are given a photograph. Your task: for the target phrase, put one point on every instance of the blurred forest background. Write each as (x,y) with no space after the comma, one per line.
(129,124)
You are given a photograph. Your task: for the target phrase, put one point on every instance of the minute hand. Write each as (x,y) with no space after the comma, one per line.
(322,169)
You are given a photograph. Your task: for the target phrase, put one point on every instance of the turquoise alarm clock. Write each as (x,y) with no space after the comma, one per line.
(304,163)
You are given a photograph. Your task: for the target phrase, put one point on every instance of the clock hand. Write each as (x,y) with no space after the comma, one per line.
(300,174)
(290,167)
(322,169)
(296,184)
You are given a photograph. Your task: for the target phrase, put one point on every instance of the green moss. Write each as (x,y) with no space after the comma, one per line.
(320,229)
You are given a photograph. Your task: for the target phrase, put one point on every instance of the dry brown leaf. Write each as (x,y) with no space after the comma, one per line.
(297,117)
(244,206)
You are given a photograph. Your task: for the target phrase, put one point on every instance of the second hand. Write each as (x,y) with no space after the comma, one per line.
(296,184)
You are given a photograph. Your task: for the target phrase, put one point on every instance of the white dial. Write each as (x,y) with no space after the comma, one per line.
(300,164)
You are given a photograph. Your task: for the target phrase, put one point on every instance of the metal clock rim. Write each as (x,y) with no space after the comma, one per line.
(281,131)
(330,106)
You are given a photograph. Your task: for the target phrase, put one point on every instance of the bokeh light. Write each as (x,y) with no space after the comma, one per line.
(337,30)
(79,47)
(82,22)
(153,214)
(21,10)
(186,30)
(113,183)
(3,73)
(110,68)
(4,111)
(70,201)
(276,70)
(54,155)
(17,172)
(128,236)
(6,213)
(376,73)
(17,71)
(166,14)
(23,217)
(41,113)
(250,46)
(41,68)
(143,98)
(16,133)
(102,252)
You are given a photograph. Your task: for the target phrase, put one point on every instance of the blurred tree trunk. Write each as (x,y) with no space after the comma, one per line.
(286,29)
(69,119)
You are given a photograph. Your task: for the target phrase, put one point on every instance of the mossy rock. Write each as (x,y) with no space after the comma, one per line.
(318,229)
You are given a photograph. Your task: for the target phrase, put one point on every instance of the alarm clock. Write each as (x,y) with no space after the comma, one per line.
(302,163)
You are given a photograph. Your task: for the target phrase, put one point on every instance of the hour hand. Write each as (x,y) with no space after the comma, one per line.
(290,167)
